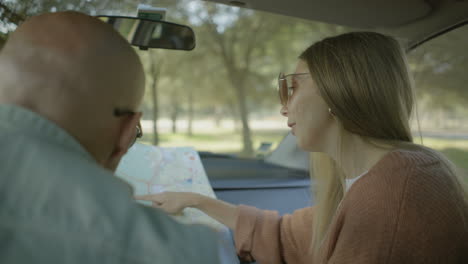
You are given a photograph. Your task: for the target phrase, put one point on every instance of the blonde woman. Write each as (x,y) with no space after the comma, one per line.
(380,197)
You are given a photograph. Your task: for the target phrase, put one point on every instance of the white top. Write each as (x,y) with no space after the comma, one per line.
(349,182)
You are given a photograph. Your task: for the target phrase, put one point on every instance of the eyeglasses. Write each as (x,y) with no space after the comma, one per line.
(285,87)
(139,130)
(139,133)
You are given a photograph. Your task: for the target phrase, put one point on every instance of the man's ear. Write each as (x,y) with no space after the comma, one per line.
(127,135)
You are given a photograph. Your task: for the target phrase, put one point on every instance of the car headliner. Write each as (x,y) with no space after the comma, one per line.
(411,20)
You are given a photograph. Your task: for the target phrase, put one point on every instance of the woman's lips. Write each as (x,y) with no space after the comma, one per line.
(292,125)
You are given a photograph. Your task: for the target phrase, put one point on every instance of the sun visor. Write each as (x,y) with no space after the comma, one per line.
(353,13)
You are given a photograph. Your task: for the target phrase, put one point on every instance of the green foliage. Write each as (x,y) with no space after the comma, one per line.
(232,72)
(222,141)
(439,67)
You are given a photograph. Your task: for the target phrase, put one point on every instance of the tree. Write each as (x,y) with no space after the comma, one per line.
(231,73)
(439,67)
(237,55)
(155,69)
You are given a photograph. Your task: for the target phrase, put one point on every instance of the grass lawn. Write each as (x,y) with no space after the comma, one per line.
(223,141)
(455,149)
(227,141)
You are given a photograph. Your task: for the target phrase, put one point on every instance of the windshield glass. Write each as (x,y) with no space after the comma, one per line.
(221,97)
(439,69)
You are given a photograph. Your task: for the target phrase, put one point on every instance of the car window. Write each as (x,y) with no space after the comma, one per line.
(440,72)
(221,97)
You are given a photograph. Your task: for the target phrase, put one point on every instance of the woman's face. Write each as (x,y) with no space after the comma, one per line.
(307,112)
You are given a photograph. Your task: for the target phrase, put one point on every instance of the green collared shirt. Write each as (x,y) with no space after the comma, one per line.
(57,205)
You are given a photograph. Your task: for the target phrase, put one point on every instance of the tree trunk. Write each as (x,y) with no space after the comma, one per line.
(154,94)
(174,115)
(218,116)
(175,110)
(239,86)
(190,114)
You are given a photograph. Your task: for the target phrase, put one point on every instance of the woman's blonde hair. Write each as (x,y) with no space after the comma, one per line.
(364,79)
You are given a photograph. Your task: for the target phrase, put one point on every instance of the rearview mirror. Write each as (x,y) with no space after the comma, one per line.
(145,33)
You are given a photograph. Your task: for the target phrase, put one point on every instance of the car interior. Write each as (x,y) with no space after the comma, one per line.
(433,32)
(279,179)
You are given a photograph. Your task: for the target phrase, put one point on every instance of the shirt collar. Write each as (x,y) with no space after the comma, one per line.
(34,125)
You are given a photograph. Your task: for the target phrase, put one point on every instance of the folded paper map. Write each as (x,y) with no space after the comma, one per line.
(151,169)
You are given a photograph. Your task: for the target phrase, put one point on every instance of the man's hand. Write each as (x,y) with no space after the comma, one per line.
(171,202)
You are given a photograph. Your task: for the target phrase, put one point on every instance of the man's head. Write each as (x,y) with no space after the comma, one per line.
(76,71)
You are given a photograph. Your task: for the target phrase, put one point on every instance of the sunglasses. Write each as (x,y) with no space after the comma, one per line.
(139,130)
(285,85)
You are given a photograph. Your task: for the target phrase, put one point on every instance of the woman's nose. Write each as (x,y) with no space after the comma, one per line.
(284,111)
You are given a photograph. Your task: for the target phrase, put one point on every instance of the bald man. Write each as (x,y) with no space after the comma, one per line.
(70,90)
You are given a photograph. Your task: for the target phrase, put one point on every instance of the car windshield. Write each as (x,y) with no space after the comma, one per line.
(222,96)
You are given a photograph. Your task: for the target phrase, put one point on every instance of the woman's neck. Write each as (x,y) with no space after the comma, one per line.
(356,154)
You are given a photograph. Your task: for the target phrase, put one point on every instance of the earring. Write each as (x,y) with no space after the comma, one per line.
(331,112)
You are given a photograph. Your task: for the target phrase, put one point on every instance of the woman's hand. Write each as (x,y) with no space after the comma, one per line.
(171,202)
(175,202)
